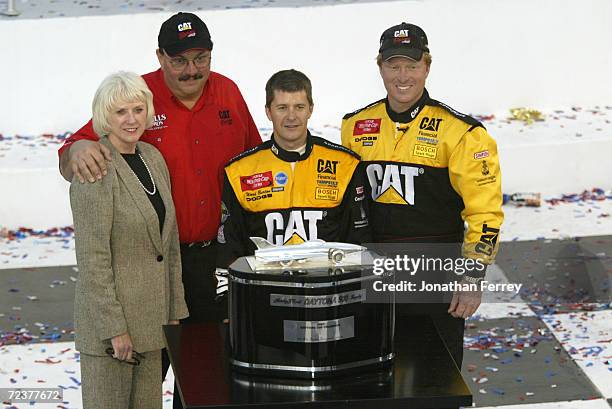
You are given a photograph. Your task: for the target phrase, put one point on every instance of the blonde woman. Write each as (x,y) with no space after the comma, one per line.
(128,255)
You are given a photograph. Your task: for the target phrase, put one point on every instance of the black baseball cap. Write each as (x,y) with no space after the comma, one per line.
(403,40)
(182,32)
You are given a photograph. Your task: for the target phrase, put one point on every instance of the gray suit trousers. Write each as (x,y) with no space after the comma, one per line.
(108,383)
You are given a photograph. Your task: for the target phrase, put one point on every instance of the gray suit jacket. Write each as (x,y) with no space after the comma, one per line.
(129,275)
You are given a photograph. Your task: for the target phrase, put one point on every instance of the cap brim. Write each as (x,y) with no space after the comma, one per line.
(407,52)
(189,44)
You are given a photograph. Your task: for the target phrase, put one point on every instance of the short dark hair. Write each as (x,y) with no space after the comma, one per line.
(288,81)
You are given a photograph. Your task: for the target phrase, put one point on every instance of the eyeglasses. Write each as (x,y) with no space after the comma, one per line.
(136,357)
(180,63)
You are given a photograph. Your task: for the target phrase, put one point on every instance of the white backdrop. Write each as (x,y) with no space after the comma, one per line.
(489,55)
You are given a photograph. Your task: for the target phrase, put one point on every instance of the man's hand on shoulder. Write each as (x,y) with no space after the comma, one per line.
(87,160)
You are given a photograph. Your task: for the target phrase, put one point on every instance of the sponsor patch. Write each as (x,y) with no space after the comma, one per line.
(488,240)
(486,180)
(256,181)
(256,197)
(326,193)
(185,34)
(364,139)
(281,178)
(327,166)
(333,183)
(359,190)
(367,126)
(184,26)
(424,151)
(158,122)
(431,141)
(225,117)
(481,155)
(485,168)
(430,124)
(278,189)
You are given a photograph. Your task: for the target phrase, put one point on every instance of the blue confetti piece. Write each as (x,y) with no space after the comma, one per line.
(498,391)
(507,361)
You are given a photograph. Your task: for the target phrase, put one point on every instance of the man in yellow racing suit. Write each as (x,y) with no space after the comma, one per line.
(430,170)
(295,187)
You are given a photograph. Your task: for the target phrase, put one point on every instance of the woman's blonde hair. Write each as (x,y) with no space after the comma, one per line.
(115,89)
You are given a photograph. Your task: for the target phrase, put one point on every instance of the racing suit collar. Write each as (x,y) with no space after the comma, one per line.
(410,113)
(289,156)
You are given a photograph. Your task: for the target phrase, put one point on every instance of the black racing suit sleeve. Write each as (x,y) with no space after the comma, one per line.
(356,210)
(232,236)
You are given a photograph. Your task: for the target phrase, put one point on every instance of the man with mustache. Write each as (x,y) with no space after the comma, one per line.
(201,122)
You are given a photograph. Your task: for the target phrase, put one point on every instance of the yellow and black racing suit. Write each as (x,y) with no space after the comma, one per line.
(288,198)
(429,169)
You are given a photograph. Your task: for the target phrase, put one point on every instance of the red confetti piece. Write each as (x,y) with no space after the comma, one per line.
(48,361)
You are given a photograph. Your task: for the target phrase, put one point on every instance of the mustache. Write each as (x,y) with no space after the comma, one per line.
(188,77)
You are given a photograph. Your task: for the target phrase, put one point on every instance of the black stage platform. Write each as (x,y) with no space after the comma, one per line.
(423,375)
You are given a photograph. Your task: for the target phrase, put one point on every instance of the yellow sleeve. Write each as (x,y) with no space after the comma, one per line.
(475,175)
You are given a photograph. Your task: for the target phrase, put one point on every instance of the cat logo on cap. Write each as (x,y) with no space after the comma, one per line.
(185,30)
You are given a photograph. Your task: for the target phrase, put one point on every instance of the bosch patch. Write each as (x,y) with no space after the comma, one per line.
(425,151)
(325,193)
(256,181)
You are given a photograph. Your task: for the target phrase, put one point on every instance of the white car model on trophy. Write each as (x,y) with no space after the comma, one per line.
(286,255)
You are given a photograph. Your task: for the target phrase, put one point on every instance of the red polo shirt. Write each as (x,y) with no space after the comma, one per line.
(196,145)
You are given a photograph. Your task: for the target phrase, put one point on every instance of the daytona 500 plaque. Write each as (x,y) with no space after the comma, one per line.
(308,321)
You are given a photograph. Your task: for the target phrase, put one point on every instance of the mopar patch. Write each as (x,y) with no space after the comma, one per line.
(326,193)
(367,126)
(256,181)
(425,151)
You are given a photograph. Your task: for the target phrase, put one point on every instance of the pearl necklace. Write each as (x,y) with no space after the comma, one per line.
(150,176)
